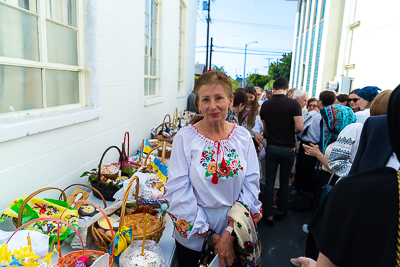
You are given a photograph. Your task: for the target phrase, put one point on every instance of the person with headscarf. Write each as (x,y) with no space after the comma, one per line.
(334,119)
(345,150)
(370,236)
(366,95)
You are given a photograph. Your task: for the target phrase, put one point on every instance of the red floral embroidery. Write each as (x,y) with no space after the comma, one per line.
(225,171)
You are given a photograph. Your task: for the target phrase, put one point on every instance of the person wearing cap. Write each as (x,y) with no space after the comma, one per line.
(367,95)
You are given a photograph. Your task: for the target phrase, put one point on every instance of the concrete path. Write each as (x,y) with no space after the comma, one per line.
(285,240)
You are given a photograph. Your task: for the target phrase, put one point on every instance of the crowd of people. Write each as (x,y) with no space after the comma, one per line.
(241,137)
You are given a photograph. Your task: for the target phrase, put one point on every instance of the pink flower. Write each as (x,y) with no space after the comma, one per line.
(234,163)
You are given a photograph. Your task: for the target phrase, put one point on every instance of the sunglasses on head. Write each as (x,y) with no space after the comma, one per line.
(355,100)
(249,89)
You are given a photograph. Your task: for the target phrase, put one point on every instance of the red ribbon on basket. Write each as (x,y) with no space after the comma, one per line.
(125,154)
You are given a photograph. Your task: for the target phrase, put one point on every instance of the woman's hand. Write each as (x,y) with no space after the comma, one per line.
(224,247)
(312,150)
(258,137)
(306,262)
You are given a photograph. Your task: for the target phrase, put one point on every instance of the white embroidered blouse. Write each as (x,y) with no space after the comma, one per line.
(345,149)
(205,178)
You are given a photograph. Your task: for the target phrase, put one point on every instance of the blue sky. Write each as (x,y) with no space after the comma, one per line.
(236,23)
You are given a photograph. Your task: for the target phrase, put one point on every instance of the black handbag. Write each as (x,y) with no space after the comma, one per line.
(207,250)
(326,189)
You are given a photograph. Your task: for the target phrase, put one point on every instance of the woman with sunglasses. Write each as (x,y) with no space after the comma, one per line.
(353,100)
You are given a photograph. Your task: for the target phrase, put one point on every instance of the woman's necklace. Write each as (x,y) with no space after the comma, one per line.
(205,133)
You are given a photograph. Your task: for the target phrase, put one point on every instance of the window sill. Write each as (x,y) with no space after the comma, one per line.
(13,128)
(181,95)
(153,100)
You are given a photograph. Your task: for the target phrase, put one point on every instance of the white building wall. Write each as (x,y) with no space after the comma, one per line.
(359,39)
(374,47)
(54,149)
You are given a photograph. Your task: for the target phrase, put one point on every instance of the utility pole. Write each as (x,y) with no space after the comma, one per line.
(269,76)
(208,32)
(244,68)
(211,50)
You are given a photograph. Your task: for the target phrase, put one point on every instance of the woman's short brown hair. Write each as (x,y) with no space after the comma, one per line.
(311,100)
(342,98)
(212,77)
(380,104)
(327,98)
(240,97)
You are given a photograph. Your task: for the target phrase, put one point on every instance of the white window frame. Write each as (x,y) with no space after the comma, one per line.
(157,39)
(43,63)
(182,47)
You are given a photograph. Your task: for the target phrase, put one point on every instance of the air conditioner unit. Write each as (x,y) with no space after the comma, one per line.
(341,84)
(344,84)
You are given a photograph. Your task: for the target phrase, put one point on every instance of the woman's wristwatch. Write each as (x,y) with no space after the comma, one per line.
(229,229)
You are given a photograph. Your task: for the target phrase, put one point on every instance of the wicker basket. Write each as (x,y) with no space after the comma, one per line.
(114,175)
(17,221)
(175,116)
(70,258)
(159,136)
(163,154)
(167,152)
(156,235)
(87,186)
(106,191)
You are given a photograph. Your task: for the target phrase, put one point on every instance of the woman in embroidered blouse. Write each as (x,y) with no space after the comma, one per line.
(213,164)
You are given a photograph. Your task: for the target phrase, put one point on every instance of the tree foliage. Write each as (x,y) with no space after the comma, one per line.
(256,79)
(215,67)
(281,68)
(235,84)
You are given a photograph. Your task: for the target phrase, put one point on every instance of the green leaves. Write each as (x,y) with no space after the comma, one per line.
(281,68)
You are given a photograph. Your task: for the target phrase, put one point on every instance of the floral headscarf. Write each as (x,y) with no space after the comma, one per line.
(335,119)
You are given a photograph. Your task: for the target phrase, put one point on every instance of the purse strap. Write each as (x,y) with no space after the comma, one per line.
(207,249)
(330,179)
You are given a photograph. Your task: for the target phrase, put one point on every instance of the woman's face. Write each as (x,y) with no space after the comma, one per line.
(363,103)
(250,100)
(313,106)
(354,101)
(214,102)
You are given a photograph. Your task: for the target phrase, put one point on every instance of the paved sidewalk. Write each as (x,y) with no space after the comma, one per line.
(285,240)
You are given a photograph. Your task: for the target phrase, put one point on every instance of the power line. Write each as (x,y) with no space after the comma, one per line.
(252,50)
(242,53)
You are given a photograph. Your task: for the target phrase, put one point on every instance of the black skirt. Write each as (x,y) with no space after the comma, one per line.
(305,166)
(357,223)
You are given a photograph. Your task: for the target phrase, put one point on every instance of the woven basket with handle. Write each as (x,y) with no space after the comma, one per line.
(17,221)
(158,132)
(157,234)
(106,191)
(70,258)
